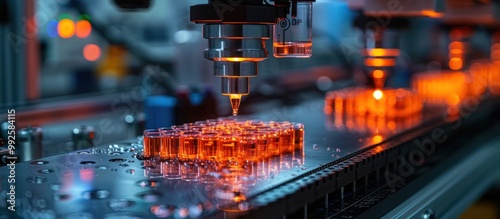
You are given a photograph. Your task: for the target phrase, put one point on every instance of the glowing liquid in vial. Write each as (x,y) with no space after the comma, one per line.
(208,147)
(170,146)
(287,140)
(262,144)
(248,146)
(190,146)
(228,147)
(152,146)
(298,136)
(293,49)
(274,142)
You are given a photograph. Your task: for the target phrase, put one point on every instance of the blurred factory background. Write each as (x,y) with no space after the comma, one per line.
(93,72)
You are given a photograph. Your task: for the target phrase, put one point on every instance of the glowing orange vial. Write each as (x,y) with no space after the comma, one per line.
(274,141)
(229,147)
(152,143)
(190,143)
(208,146)
(298,138)
(248,143)
(287,138)
(170,144)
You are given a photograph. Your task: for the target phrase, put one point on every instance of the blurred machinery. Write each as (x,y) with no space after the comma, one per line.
(236,33)
(405,127)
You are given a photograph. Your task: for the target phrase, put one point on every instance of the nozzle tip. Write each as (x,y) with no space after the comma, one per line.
(235,103)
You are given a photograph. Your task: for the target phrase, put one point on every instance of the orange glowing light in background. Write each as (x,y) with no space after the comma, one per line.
(378,73)
(378,94)
(432,14)
(66,28)
(83,29)
(380,52)
(91,52)
(455,63)
(380,62)
(377,139)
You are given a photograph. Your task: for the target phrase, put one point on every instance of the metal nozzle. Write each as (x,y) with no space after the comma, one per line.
(235,85)
(236,42)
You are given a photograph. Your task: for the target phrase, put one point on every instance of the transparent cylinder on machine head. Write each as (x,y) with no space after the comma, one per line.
(293,34)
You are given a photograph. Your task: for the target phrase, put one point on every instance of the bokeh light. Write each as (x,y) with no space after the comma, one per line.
(91,52)
(52,28)
(66,28)
(83,28)
(378,94)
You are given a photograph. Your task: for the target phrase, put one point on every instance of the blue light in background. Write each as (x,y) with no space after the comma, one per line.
(52,28)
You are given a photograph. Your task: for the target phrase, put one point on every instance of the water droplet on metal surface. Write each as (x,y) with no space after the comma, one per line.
(124,165)
(315,147)
(162,211)
(55,186)
(87,162)
(39,162)
(96,194)
(120,204)
(183,213)
(102,167)
(130,171)
(150,196)
(36,179)
(149,183)
(61,196)
(82,152)
(46,171)
(117,160)
(328,148)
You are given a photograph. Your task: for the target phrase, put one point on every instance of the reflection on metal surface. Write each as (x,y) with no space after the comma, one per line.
(371,124)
